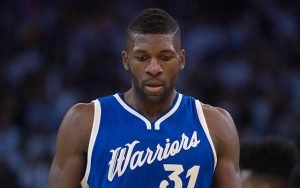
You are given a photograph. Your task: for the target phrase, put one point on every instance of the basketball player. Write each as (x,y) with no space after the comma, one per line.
(267,163)
(151,135)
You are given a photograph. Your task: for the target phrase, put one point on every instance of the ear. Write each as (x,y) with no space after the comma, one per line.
(182,59)
(125,59)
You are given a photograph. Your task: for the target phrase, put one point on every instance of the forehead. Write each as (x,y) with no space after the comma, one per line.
(152,42)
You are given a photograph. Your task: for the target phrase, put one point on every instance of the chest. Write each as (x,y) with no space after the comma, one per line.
(171,151)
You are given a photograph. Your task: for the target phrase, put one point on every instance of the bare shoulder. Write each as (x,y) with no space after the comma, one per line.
(80,112)
(77,123)
(217,114)
(67,168)
(221,126)
(225,138)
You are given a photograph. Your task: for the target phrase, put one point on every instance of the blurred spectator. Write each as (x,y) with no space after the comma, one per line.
(267,163)
(8,179)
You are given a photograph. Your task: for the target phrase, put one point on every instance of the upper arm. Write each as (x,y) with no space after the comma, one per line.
(69,162)
(226,141)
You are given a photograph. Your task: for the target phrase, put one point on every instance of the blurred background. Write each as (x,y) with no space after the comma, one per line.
(242,55)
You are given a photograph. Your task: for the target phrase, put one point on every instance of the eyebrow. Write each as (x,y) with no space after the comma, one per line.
(162,51)
(139,51)
(167,51)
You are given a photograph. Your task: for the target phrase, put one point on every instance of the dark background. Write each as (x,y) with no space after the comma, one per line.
(242,55)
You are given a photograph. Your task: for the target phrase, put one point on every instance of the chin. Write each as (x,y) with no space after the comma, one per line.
(157,97)
(154,98)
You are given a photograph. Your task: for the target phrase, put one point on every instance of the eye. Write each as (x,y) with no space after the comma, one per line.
(141,58)
(165,57)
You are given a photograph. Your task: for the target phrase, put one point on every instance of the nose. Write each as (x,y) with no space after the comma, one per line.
(154,68)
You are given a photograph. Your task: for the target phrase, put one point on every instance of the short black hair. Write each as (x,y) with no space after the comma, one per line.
(269,157)
(154,21)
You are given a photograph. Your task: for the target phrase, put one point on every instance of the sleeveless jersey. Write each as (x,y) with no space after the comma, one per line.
(128,150)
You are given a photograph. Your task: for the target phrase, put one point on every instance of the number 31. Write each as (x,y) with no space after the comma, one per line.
(177,170)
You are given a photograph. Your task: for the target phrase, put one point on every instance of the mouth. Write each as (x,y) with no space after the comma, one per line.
(153,87)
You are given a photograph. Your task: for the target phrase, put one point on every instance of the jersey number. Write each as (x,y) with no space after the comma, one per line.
(177,170)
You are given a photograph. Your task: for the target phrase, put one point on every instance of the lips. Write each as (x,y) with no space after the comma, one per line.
(153,87)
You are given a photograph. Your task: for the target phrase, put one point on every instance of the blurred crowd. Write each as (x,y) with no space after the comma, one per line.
(242,55)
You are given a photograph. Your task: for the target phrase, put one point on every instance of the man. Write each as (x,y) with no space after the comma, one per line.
(151,135)
(267,163)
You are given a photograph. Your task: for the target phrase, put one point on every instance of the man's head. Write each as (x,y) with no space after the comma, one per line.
(153,21)
(267,163)
(153,54)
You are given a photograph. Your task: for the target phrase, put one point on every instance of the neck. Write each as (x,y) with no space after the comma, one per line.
(149,108)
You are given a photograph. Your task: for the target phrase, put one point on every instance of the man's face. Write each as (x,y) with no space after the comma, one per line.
(153,61)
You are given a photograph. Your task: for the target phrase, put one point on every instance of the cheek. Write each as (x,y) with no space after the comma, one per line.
(172,72)
(133,67)
(136,72)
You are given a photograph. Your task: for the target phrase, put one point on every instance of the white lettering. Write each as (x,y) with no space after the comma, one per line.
(121,157)
(166,150)
(174,148)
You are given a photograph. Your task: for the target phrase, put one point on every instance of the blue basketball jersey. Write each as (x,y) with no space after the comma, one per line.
(128,150)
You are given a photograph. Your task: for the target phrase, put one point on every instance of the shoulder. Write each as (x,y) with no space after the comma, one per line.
(218,116)
(78,114)
(77,124)
(221,127)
